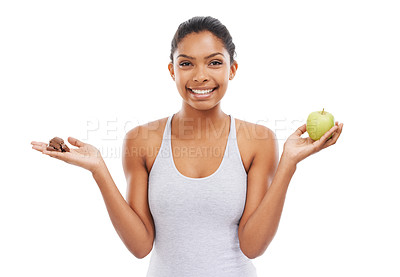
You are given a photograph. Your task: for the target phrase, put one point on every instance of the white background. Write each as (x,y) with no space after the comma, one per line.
(95,69)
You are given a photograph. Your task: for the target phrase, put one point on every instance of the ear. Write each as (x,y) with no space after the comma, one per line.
(171,70)
(233,70)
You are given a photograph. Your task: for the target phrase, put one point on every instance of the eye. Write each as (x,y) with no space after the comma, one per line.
(216,63)
(184,64)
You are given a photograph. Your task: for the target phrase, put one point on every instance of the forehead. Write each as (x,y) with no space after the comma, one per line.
(200,45)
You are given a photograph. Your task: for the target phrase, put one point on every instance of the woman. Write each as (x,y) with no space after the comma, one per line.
(202,197)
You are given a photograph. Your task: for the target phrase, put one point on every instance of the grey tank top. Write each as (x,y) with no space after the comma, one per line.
(197,219)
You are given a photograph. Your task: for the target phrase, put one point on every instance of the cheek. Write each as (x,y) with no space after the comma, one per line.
(225,76)
(182,75)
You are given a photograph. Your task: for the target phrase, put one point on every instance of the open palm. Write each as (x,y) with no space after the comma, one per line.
(85,156)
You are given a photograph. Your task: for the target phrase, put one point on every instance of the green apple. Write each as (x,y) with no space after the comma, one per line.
(318,123)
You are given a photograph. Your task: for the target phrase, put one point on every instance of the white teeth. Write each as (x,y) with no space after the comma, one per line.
(202,91)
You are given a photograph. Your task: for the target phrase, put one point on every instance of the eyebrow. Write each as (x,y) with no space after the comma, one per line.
(209,56)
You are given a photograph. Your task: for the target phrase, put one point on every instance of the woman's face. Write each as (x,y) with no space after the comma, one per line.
(201,64)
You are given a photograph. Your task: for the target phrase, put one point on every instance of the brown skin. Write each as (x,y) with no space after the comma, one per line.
(199,123)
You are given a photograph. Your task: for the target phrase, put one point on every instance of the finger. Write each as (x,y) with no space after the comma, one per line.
(335,137)
(38,143)
(55,154)
(39,148)
(319,143)
(301,130)
(75,142)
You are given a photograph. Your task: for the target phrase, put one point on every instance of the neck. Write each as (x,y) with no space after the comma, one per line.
(200,124)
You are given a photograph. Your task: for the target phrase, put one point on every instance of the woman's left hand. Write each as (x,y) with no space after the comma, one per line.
(297,148)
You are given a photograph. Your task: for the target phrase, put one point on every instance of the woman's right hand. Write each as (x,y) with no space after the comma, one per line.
(85,156)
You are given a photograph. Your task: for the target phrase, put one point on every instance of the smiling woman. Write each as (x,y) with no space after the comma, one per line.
(199,214)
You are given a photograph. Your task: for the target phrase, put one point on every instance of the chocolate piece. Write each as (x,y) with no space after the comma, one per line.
(57,144)
(57,140)
(51,148)
(64,148)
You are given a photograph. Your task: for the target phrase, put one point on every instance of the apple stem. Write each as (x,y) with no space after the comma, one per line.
(323,111)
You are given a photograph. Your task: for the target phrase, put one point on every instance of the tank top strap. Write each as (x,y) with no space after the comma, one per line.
(164,151)
(232,132)
(167,129)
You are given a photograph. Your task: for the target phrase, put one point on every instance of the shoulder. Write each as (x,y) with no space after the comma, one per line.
(254,130)
(147,130)
(141,139)
(256,138)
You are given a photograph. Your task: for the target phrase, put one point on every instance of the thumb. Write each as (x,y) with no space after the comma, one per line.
(75,142)
(301,130)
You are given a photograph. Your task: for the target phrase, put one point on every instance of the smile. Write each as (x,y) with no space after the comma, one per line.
(201,91)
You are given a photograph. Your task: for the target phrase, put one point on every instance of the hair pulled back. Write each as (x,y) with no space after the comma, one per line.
(198,24)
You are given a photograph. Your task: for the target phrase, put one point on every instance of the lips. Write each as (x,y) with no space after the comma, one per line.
(201,96)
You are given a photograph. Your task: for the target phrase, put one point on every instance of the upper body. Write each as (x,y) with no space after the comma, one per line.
(245,186)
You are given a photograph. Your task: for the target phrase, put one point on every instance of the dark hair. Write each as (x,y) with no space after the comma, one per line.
(198,24)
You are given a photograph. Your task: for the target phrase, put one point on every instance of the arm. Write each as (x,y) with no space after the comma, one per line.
(261,227)
(264,203)
(126,222)
(132,218)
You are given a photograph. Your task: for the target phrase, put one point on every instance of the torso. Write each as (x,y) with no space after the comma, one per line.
(205,162)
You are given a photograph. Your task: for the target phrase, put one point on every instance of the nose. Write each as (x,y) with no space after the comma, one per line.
(200,75)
